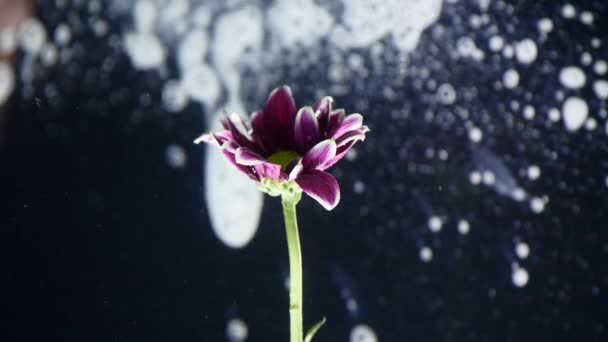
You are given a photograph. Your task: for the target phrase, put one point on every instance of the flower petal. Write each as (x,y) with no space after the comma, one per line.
(294,168)
(229,154)
(238,130)
(335,117)
(340,153)
(245,156)
(306,130)
(320,154)
(322,109)
(321,186)
(350,123)
(279,118)
(265,170)
(261,166)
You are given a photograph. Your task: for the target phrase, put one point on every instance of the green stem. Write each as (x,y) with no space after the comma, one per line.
(289,200)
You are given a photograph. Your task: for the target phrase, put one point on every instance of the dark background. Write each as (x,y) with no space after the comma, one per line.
(105,242)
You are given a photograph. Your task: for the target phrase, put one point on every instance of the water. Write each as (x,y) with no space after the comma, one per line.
(475,210)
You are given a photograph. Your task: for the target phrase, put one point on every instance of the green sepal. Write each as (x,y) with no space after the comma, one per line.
(288,189)
(313,330)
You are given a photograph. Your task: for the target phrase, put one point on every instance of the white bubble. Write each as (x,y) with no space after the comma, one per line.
(475,177)
(537,205)
(520,276)
(586,58)
(508,51)
(63,34)
(464,227)
(49,54)
(446,93)
(572,77)
(568,11)
(7,82)
(32,35)
(575,111)
(176,156)
(519,194)
(144,15)
(202,84)
(359,187)
(522,250)
(529,112)
(590,124)
(496,43)
(545,25)
(600,87)
(425,254)
(145,50)
(352,154)
(192,49)
(475,134)
(488,177)
(586,17)
(351,305)
(236,330)
(600,67)
(533,172)
(363,333)
(554,114)
(510,78)
(8,41)
(435,224)
(174,96)
(526,51)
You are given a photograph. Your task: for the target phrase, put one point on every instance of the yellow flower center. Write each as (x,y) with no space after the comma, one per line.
(283,158)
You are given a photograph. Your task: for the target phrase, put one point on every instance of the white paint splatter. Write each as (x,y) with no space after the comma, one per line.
(201,84)
(568,11)
(537,205)
(522,250)
(496,43)
(425,254)
(192,49)
(176,156)
(358,187)
(510,78)
(145,50)
(32,35)
(554,114)
(475,177)
(292,28)
(526,51)
(363,333)
(8,40)
(435,224)
(545,25)
(520,276)
(464,227)
(174,97)
(572,77)
(475,134)
(237,330)
(600,87)
(575,111)
(600,67)
(529,112)
(533,172)
(7,82)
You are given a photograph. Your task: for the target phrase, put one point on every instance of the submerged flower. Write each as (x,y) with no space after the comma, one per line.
(283,145)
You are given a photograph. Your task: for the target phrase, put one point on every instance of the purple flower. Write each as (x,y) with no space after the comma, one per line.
(284,145)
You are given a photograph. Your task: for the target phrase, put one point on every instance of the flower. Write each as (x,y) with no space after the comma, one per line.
(282,145)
